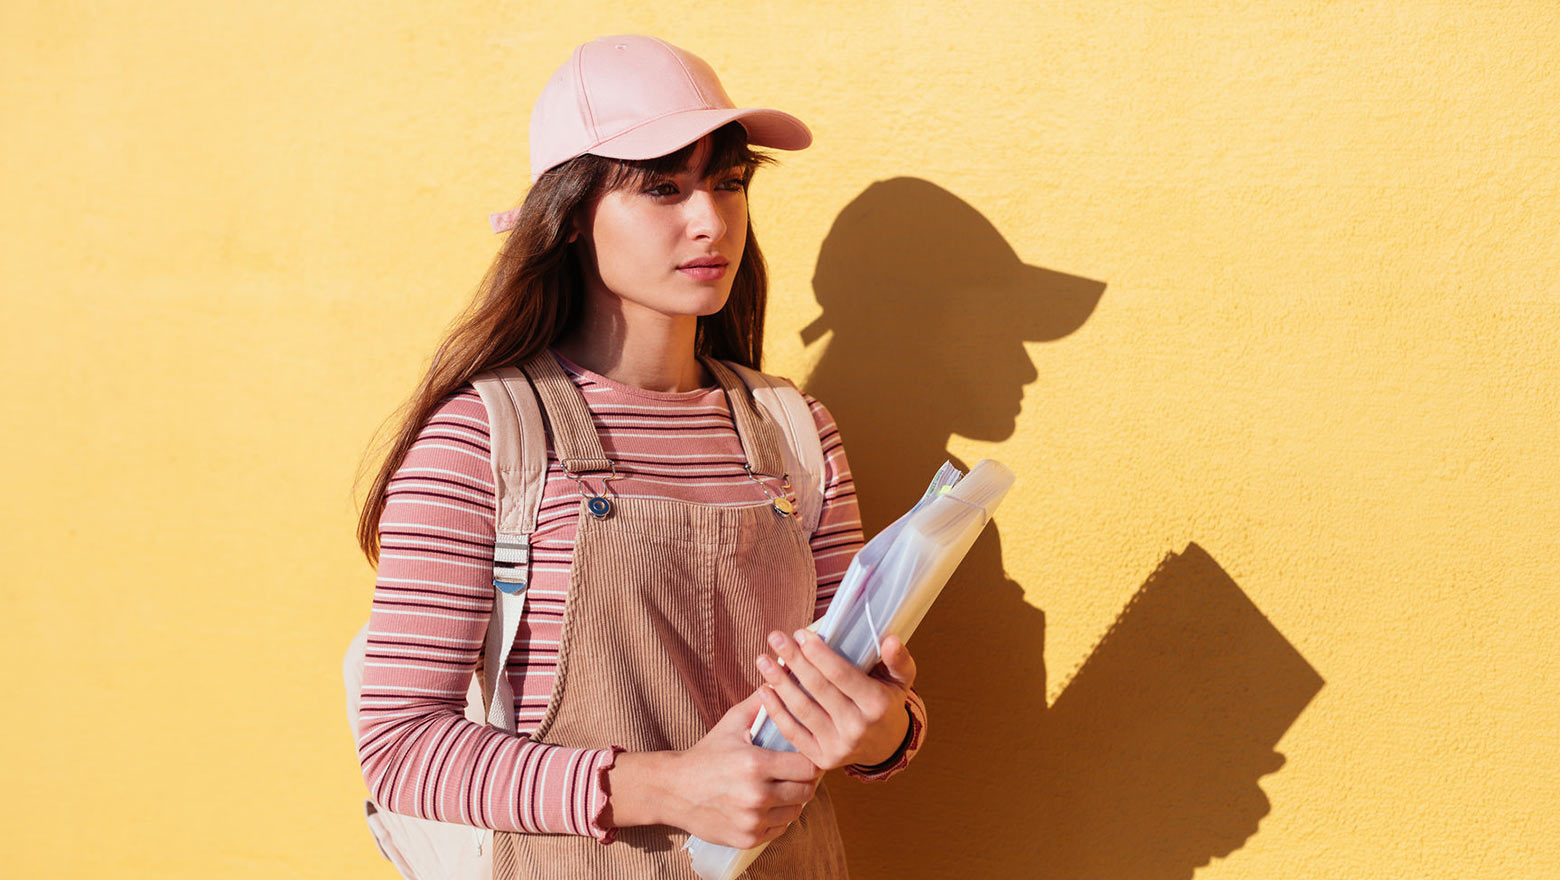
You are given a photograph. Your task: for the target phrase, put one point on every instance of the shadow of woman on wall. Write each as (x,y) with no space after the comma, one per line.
(1146,764)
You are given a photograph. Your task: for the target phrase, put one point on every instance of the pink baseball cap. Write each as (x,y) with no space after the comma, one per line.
(635,97)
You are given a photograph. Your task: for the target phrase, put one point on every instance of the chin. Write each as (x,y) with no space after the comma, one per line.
(683,302)
(707,304)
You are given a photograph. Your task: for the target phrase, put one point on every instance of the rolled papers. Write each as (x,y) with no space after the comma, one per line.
(887,590)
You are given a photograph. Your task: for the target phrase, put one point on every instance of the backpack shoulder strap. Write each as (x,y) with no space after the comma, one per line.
(803,448)
(519,473)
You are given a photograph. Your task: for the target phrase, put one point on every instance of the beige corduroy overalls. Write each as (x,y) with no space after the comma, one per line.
(668,604)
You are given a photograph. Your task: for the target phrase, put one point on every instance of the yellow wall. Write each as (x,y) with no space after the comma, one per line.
(1275,285)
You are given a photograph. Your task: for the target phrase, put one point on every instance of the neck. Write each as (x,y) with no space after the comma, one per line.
(636,346)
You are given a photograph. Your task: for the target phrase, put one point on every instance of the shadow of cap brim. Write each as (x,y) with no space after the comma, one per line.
(1042,305)
(907,250)
(1025,303)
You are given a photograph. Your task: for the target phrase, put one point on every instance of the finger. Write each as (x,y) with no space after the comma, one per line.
(783,815)
(782,823)
(854,685)
(787,767)
(799,653)
(795,732)
(793,792)
(802,706)
(897,661)
(740,716)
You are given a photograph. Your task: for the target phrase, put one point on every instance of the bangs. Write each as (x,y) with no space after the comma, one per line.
(729,151)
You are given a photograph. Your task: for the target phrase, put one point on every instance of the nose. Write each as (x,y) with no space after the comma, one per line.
(704,217)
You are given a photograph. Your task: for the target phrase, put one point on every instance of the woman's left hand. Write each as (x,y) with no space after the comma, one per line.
(844,716)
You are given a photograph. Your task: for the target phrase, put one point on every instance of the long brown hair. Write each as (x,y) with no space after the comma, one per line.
(531,294)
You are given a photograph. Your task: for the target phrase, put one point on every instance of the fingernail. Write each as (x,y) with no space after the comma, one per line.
(801,636)
(776,641)
(763,663)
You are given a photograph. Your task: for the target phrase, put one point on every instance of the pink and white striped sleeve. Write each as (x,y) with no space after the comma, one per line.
(834,544)
(420,756)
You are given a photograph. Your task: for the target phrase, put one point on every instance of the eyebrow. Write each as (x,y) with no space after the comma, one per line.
(738,168)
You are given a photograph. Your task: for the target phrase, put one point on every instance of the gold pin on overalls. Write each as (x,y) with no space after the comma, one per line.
(780,503)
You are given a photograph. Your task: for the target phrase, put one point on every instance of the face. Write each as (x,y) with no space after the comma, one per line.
(638,241)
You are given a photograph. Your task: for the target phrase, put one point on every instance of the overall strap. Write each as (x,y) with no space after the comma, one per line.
(803,449)
(759,434)
(574,435)
(578,444)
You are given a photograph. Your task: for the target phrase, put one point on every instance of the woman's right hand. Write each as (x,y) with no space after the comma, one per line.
(724,789)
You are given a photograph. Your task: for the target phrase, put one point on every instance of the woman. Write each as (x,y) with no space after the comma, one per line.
(641,658)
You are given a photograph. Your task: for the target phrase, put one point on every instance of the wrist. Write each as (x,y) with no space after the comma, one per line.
(897,753)
(634,788)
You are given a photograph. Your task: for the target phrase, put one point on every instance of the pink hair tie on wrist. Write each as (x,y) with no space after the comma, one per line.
(504,220)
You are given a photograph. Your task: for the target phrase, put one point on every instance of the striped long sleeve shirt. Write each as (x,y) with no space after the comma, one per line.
(420,756)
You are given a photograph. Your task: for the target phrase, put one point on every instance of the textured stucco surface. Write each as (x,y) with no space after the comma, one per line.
(1269,287)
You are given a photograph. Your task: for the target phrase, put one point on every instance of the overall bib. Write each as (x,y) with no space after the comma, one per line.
(668,604)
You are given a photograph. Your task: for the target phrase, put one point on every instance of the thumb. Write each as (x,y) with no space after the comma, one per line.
(897,661)
(740,717)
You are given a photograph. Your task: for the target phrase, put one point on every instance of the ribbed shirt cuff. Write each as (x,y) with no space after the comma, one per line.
(600,796)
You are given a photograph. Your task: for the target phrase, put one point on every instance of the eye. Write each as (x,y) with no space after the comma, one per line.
(657,189)
(735,183)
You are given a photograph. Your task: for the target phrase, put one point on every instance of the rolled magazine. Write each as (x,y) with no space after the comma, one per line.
(887,590)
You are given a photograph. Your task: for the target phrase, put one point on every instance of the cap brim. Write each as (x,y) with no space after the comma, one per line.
(670,133)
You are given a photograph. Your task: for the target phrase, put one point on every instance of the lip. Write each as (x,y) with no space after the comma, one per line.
(705,262)
(704,273)
(711,268)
